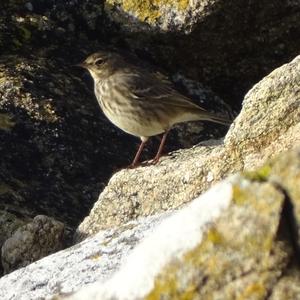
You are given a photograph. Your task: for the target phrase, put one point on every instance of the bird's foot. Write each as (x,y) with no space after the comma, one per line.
(146,163)
(151,162)
(133,166)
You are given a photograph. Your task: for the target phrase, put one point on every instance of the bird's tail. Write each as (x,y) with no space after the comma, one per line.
(217,119)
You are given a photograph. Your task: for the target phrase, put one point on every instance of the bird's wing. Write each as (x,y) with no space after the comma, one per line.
(145,87)
(150,87)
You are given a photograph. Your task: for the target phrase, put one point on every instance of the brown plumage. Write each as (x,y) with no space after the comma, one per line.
(139,102)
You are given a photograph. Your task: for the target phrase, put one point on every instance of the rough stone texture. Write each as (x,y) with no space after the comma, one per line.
(247,253)
(28,26)
(288,286)
(54,153)
(289,180)
(228,45)
(267,124)
(31,242)
(9,223)
(270,116)
(233,242)
(57,150)
(53,140)
(99,257)
(239,236)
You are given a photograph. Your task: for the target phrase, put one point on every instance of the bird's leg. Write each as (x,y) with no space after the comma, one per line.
(161,146)
(138,153)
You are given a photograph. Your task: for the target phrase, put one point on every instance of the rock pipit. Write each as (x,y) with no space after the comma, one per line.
(138,101)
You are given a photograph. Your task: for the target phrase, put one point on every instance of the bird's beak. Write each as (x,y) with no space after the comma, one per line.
(81,65)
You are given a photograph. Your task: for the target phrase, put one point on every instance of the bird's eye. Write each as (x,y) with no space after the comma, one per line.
(99,62)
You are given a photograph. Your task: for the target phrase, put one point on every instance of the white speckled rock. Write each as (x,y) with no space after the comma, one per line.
(237,241)
(96,258)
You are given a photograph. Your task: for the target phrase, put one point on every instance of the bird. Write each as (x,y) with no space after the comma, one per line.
(141,102)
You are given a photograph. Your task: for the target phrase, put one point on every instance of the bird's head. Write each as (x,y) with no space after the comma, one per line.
(102,64)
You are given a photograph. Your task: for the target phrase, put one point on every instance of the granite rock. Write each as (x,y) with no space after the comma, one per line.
(246,249)
(267,125)
(58,152)
(236,241)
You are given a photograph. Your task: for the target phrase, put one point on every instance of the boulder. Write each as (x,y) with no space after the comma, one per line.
(57,151)
(31,242)
(267,125)
(227,45)
(240,239)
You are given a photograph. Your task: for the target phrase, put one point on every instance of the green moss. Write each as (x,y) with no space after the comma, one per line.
(26,34)
(6,122)
(16,43)
(23,37)
(149,10)
(260,175)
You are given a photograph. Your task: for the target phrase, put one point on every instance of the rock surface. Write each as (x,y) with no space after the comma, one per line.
(226,45)
(248,252)
(236,241)
(9,223)
(98,257)
(220,43)
(57,151)
(267,125)
(55,154)
(31,242)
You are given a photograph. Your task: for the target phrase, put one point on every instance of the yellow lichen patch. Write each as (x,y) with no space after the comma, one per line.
(254,291)
(253,243)
(239,195)
(171,288)
(96,257)
(162,286)
(6,122)
(177,280)
(215,236)
(261,174)
(197,258)
(240,242)
(149,10)
(106,242)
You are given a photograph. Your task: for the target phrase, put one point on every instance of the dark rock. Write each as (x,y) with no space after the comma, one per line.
(31,242)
